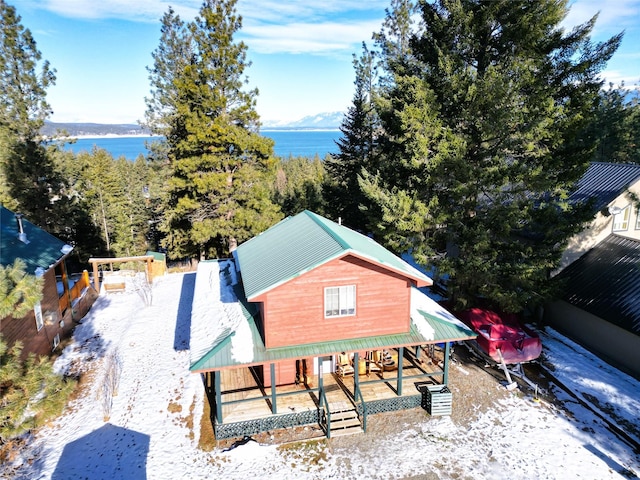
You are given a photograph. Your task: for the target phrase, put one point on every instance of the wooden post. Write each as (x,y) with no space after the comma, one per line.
(400,357)
(274,407)
(216,382)
(445,377)
(356,373)
(96,278)
(149,278)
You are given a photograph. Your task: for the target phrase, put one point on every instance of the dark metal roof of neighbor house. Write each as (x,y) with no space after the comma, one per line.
(606,282)
(41,250)
(301,243)
(605,181)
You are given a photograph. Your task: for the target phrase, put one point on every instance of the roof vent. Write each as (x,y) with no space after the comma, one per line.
(21,235)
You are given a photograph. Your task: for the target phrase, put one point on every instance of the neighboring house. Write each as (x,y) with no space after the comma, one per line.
(600,269)
(613,186)
(600,307)
(312,322)
(63,301)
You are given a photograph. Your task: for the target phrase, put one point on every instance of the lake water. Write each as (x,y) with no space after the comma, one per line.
(296,143)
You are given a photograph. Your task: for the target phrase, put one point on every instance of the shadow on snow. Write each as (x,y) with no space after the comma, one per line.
(108,453)
(182,336)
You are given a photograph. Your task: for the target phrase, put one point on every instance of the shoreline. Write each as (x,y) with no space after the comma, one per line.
(264,132)
(107,135)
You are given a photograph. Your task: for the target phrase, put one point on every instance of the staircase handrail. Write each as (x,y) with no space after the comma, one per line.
(358,395)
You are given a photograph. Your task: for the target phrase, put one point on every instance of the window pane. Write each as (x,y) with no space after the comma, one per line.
(621,220)
(331,301)
(340,301)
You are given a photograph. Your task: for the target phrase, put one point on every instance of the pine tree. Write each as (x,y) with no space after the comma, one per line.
(486,132)
(218,193)
(344,198)
(19,292)
(30,391)
(298,185)
(136,206)
(617,126)
(28,180)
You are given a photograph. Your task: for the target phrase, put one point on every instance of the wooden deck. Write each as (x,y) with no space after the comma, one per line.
(241,385)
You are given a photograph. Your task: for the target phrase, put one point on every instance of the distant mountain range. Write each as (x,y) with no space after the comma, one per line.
(328,121)
(73,129)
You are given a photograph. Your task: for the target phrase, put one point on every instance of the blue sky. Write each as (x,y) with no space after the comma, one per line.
(301,50)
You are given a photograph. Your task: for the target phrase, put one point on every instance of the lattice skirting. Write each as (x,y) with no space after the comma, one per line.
(308,417)
(391,404)
(251,427)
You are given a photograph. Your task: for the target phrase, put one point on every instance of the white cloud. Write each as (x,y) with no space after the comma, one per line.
(271,26)
(613,16)
(138,10)
(616,77)
(315,38)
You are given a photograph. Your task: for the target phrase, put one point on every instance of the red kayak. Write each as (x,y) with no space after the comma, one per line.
(502,334)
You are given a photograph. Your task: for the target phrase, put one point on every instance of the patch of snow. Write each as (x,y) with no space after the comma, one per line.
(216,313)
(423,303)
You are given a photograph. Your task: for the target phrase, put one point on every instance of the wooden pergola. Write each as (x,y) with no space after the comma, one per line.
(110,261)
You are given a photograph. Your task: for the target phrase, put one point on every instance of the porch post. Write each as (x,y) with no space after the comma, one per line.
(356,375)
(65,284)
(96,278)
(216,385)
(320,373)
(272,369)
(400,358)
(445,377)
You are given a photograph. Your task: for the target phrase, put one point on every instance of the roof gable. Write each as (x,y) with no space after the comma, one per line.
(301,243)
(42,249)
(605,182)
(605,282)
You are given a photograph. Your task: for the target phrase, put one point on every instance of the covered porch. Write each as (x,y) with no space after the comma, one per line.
(242,405)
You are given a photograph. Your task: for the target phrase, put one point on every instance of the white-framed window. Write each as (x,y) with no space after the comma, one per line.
(39,321)
(621,220)
(638,218)
(340,301)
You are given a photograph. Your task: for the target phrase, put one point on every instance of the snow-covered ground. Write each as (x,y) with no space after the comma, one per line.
(140,415)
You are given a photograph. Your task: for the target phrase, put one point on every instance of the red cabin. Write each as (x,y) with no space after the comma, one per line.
(309,302)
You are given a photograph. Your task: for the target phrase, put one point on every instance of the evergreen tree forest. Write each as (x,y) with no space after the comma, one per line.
(487,114)
(471,120)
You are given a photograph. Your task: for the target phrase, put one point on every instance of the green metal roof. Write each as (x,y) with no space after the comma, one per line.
(41,250)
(160,257)
(301,243)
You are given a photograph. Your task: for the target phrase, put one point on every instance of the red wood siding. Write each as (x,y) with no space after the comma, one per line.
(285,373)
(294,312)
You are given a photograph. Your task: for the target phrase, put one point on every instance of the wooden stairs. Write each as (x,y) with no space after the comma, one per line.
(344,421)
